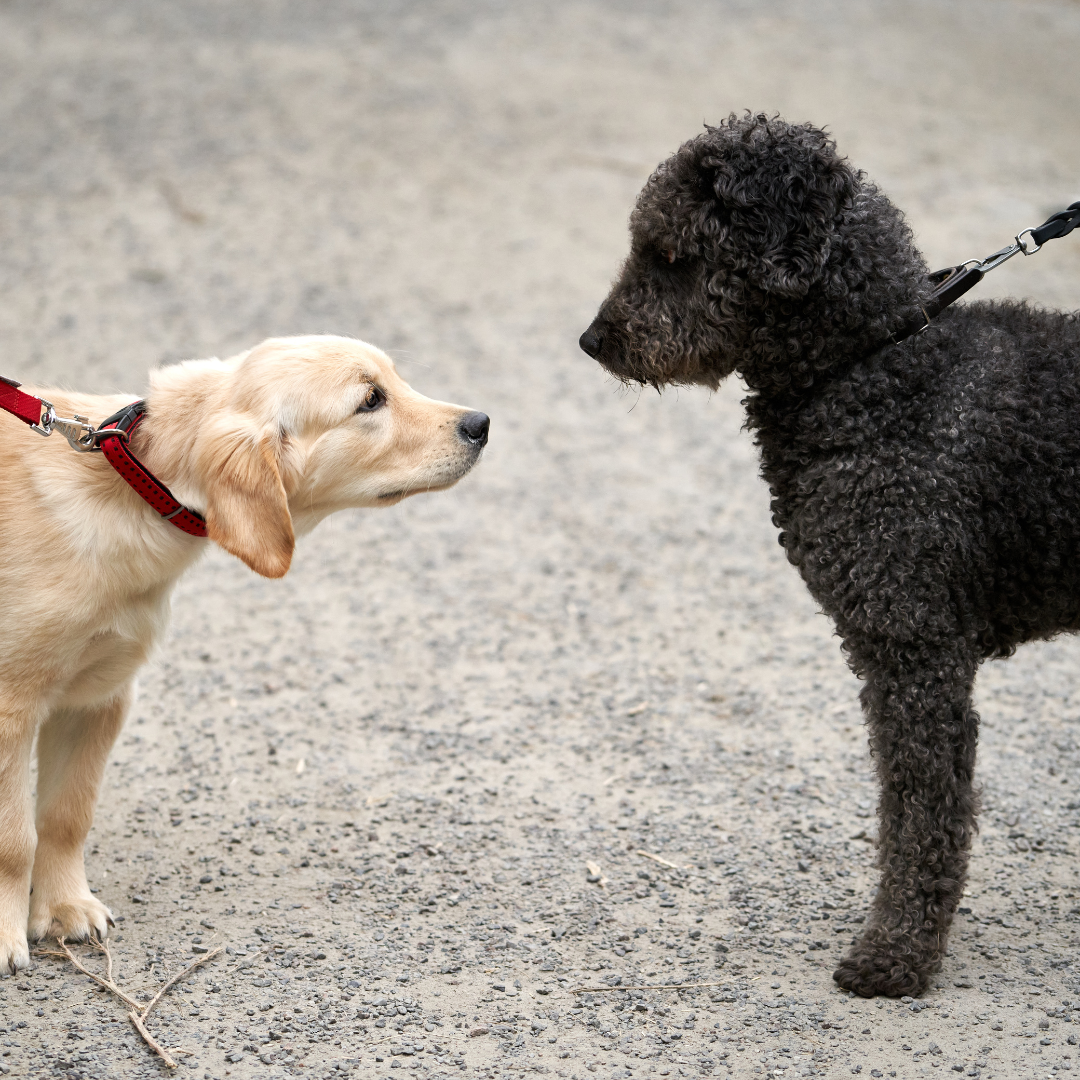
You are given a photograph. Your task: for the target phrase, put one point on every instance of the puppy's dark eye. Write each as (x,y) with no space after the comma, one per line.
(374,399)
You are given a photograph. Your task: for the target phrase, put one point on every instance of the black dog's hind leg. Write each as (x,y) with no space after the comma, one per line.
(922,734)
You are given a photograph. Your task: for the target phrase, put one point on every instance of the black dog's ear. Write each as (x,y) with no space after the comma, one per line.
(782,190)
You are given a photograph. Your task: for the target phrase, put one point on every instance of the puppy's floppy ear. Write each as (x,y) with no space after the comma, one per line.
(247,510)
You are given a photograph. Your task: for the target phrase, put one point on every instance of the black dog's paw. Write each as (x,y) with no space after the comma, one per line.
(872,973)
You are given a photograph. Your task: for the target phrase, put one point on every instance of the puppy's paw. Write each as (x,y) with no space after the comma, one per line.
(14,953)
(76,919)
(871,973)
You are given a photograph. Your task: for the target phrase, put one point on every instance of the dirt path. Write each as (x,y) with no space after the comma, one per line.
(381,782)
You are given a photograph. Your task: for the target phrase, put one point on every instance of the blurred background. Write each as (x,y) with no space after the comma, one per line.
(601,611)
(179,179)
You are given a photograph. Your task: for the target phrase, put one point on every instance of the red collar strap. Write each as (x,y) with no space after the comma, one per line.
(112,439)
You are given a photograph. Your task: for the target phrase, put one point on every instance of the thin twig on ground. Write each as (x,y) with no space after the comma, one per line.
(656,858)
(247,958)
(150,1041)
(176,978)
(107,982)
(139,1012)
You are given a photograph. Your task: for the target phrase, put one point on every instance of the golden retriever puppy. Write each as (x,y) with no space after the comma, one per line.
(262,446)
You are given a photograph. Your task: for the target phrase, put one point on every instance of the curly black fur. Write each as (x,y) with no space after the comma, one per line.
(928,492)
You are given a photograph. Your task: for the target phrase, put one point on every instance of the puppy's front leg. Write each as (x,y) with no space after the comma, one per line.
(16,837)
(73,746)
(923,734)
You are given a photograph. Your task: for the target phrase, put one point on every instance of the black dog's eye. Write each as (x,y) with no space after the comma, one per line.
(374,399)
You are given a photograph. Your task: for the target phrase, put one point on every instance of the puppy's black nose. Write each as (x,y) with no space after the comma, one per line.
(592,341)
(474,427)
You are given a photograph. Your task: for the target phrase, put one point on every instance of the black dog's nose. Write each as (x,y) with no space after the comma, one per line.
(474,427)
(592,341)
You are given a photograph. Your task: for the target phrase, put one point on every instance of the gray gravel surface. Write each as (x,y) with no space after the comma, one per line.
(411,786)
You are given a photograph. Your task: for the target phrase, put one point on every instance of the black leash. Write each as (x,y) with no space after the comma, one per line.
(952,282)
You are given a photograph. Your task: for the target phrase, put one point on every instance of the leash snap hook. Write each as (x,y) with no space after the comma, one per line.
(78,431)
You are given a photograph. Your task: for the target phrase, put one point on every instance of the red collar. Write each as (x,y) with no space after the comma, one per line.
(112,439)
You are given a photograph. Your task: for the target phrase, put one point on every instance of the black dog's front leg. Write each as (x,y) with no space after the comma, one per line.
(922,733)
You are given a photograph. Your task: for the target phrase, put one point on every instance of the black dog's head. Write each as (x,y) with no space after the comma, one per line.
(739,242)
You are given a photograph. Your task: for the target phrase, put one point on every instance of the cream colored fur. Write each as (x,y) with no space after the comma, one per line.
(265,445)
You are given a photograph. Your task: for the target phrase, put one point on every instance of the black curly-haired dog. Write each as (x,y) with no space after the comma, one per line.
(928,492)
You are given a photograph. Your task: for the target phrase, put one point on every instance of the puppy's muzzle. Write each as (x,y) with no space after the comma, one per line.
(473,428)
(592,341)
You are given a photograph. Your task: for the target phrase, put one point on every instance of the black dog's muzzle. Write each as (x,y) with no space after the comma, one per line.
(592,341)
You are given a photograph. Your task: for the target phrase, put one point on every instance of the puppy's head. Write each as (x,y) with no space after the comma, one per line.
(298,428)
(737,232)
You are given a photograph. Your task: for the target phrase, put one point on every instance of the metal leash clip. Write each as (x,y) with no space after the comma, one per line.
(1060,224)
(79,432)
(991,262)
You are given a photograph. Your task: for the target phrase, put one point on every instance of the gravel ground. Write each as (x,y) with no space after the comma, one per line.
(411,787)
